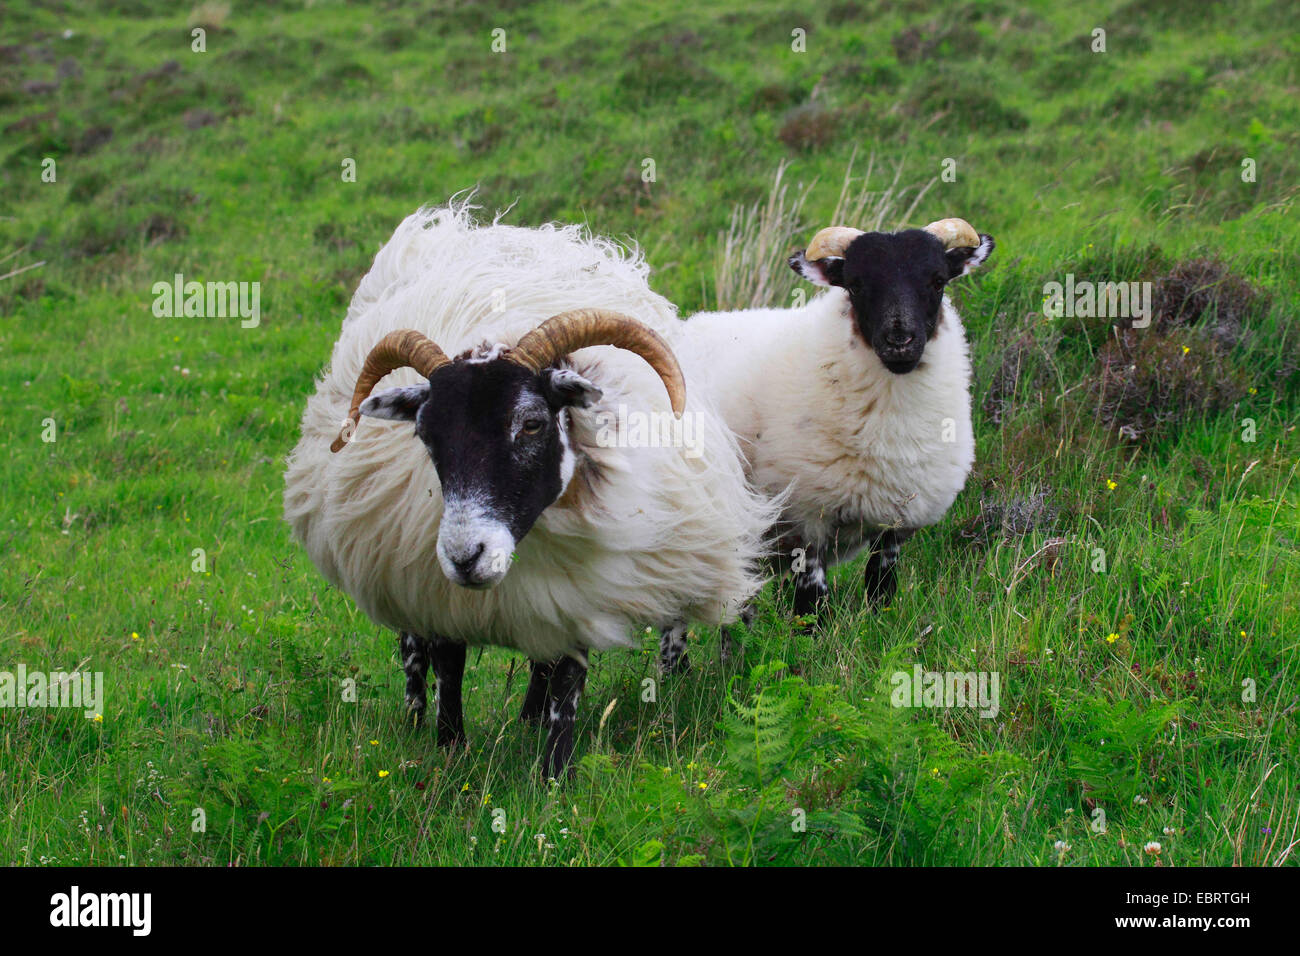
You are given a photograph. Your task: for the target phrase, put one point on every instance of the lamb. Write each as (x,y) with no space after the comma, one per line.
(858,402)
(508,516)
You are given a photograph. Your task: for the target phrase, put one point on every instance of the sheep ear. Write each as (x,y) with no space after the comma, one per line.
(567,387)
(966,259)
(828,271)
(396,404)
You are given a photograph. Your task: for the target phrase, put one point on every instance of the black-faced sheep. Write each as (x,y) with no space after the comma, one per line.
(508,516)
(858,402)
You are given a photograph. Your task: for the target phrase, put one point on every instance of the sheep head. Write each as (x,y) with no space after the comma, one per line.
(895,281)
(495,425)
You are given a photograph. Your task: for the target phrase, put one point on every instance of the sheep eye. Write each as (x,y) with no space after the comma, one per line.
(939,283)
(532,426)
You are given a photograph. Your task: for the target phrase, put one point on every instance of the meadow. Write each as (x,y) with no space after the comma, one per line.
(1126,554)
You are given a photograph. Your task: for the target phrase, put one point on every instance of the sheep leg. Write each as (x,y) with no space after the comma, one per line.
(449,666)
(535,698)
(415,662)
(810,590)
(563,692)
(880,578)
(672,649)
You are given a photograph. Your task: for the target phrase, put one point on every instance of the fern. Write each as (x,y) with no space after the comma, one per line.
(808,777)
(1112,741)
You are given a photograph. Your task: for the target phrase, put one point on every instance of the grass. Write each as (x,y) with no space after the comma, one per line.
(145,541)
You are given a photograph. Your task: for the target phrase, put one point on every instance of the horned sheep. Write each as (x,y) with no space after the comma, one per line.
(507,516)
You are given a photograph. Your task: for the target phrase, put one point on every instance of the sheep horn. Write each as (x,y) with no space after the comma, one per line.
(954,233)
(831,241)
(581,328)
(399,349)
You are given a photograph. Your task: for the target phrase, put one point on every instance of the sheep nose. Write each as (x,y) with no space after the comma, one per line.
(898,338)
(465,563)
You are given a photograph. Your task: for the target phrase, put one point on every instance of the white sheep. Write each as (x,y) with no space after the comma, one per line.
(508,516)
(858,402)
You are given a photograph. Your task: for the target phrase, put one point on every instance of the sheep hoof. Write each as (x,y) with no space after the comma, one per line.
(880,590)
(672,650)
(809,609)
(677,664)
(449,737)
(415,710)
(555,762)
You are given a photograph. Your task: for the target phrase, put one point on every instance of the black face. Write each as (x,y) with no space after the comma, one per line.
(495,433)
(895,283)
(492,431)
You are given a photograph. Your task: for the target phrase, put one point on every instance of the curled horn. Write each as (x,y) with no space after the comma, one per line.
(831,241)
(581,328)
(399,349)
(954,233)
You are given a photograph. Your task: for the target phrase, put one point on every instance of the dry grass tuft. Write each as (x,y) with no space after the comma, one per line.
(750,269)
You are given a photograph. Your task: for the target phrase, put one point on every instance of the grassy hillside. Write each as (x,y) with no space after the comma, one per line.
(1121,689)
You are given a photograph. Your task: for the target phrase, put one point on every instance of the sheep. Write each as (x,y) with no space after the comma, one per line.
(858,402)
(512,515)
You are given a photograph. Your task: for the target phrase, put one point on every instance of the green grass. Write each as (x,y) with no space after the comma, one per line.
(224,687)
